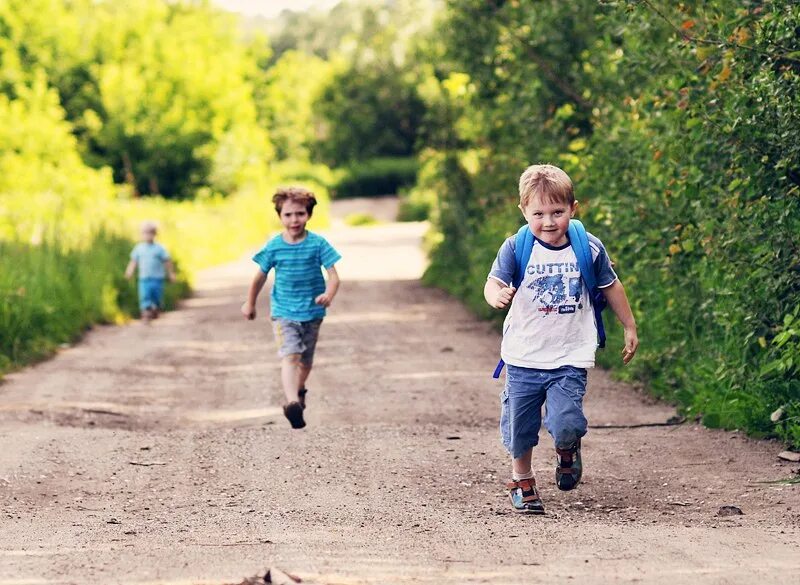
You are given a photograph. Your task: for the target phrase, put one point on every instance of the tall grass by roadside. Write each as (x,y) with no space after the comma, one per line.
(50,295)
(55,286)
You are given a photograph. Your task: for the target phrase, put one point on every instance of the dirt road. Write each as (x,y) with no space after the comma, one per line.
(158,454)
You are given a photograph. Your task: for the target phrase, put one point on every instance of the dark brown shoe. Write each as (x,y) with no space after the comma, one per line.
(569,467)
(294,412)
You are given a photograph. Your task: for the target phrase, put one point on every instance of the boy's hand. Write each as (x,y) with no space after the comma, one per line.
(249,311)
(631,345)
(504,296)
(172,277)
(325,299)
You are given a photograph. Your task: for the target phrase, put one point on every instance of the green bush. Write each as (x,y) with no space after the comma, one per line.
(291,171)
(375,177)
(418,203)
(360,219)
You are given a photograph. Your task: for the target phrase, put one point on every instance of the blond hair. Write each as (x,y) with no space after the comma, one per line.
(296,194)
(547,182)
(148,226)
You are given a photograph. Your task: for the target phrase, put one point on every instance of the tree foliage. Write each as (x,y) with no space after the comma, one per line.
(368,111)
(157,91)
(357,63)
(286,98)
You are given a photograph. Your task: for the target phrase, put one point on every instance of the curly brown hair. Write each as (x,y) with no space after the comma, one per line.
(296,194)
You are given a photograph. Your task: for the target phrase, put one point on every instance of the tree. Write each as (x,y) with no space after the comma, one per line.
(151,87)
(367,112)
(286,99)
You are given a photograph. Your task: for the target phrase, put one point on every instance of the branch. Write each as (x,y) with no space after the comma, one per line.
(717,41)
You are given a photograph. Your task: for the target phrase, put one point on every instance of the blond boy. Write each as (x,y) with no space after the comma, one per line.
(550,334)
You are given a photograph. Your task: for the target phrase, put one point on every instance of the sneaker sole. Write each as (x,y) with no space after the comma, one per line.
(529,512)
(567,488)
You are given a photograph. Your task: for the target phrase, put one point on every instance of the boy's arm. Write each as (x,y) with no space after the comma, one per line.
(618,301)
(249,306)
(170,269)
(326,298)
(130,269)
(498,294)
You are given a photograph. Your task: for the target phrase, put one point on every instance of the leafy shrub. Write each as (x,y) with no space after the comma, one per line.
(301,171)
(374,177)
(418,203)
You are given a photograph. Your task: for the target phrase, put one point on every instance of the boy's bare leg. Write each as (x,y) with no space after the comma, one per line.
(291,372)
(304,372)
(522,465)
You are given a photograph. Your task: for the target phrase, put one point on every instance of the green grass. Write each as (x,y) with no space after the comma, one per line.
(50,293)
(360,219)
(50,296)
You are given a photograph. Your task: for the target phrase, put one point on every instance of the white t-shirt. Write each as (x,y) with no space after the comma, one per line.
(551,321)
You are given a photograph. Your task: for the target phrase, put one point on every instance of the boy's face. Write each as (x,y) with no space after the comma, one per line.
(549,221)
(148,235)
(294,217)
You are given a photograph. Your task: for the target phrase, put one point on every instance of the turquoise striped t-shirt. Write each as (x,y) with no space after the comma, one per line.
(298,275)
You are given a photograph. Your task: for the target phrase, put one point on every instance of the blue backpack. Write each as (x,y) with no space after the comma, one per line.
(580,245)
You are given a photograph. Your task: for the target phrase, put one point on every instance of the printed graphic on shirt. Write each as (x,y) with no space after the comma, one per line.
(559,290)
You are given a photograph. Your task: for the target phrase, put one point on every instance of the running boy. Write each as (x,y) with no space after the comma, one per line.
(299,295)
(549,335)
(154,264)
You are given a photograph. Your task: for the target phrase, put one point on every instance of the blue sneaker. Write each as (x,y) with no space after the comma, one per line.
(525,497)
(569,467)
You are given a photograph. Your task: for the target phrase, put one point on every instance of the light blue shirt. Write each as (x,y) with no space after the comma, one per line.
(150,258)
(298,275)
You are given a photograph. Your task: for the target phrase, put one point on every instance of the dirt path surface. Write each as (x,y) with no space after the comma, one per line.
(159,454)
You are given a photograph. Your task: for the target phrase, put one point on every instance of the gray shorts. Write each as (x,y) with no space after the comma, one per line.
(295,337)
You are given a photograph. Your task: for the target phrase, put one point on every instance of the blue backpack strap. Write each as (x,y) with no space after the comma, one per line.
(522,250)
(583,252)
(523,246)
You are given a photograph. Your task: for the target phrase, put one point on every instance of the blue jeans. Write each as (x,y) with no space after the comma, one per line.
(526,391)
(151,293)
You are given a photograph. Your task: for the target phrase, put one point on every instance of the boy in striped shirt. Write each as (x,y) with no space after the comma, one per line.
(300,294)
